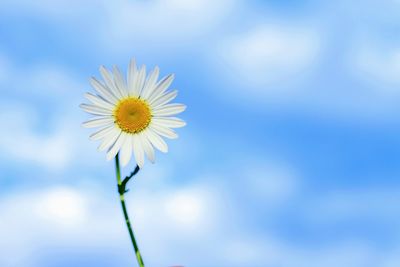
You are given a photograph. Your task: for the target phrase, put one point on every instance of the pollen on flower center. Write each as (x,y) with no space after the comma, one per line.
(132,115)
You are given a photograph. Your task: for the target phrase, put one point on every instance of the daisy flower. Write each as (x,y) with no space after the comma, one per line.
(133,115)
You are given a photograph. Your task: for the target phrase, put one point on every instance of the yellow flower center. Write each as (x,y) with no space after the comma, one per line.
(132,115)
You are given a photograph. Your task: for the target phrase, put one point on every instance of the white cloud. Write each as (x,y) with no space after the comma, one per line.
(394,259)
(162,23)
(62,206)
(268,55)
(54,143)
(270,183)
(270,251)
(48,80)
(35,221)
(47,9)
(43,122)
(253,251)
(173,226)
(84,218)
(185,208)
(346,206)
(44,80)
(20,142)
(123,25)
(345,253)
(192,211)
(378,65)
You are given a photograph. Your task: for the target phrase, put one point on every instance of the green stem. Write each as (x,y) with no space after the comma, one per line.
(121,190)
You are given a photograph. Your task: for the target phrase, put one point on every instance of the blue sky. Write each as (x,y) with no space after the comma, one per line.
(290,157)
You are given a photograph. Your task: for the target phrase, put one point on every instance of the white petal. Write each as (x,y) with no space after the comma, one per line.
(95,110)
(138,150)
(163,131)
(132,73)
(164,99)
(169,110)
(157,141)
(150,84)
(126,151)
(98,122)
(139,81)
(120,82)
(102,133)
(110,139)
(99,101)
(108,79)
(147,147)
(169,122)
(161,87)
(112,152)
(103,91)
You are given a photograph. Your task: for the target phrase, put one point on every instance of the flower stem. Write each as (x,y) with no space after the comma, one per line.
(121,190)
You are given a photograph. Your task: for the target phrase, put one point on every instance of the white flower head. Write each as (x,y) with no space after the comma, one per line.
(132,115)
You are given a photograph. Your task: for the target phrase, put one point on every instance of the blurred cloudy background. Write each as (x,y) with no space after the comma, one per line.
(291,155)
